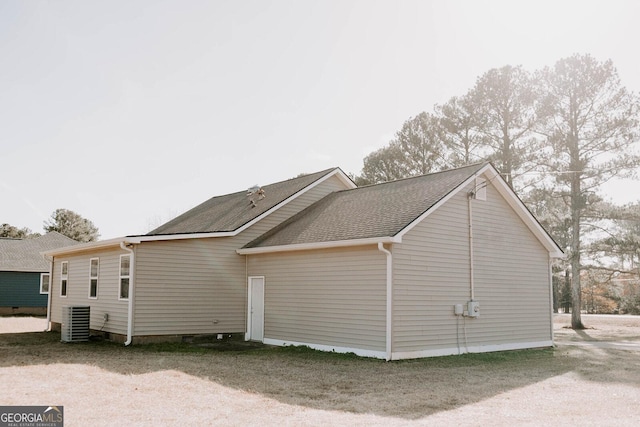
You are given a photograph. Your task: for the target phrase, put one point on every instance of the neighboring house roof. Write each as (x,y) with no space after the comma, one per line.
(24,254)
(232,211)
(381,212)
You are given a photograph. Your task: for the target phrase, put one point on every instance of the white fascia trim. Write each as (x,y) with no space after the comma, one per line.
(83,247)
(336,172)
(329,348)
(318,245)
(451,351)
(343,177)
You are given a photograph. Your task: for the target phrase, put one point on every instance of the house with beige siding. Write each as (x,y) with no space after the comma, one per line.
(445,263)
(183,278)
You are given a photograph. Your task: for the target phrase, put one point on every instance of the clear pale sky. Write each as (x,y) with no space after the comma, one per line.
(131,112)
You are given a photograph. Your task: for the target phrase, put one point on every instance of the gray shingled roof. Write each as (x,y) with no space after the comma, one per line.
(229,212)
(381,210)
(24,254)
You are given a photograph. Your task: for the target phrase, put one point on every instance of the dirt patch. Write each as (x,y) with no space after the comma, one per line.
(101,383)
(17,324)
(598,328)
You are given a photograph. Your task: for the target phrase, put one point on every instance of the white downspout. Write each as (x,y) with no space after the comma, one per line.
(551,297)
(48,329)
(132,264)
(470,196)
(381,248)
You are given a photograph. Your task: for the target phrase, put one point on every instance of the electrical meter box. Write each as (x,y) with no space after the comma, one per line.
(458,309)
(473,309)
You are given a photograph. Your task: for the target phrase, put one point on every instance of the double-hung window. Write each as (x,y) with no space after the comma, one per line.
(125,276)
(64,278)
(94,266)
(44,283)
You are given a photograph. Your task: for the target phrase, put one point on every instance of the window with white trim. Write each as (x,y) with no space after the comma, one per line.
(64,278)
(125,276)
(94,267)
(44,283)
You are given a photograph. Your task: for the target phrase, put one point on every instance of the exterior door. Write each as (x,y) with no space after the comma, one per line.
(256,309)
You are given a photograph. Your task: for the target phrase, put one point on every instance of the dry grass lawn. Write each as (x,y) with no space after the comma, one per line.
(590,378)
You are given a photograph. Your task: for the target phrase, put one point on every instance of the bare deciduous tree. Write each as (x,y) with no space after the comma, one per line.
(72,225)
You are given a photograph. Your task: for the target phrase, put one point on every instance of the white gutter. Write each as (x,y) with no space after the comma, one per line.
(389,349)
(68,250)
(319,245)
(551,296)
(132,264)
(48,329)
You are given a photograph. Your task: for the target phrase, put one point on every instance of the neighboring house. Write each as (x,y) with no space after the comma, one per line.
(445,263)
(24,274)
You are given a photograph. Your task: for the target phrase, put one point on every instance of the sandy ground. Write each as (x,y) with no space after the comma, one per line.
(591,378)
(18,324)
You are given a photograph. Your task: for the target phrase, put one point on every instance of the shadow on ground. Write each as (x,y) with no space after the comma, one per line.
(602,356)
(298,376)
(334,382)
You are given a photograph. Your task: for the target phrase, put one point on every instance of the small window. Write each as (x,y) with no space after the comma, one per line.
(64,277)
(93,277)
(125,275)
(44,283)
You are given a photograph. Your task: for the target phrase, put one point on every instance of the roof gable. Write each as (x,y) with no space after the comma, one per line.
(231,212)
(24,254)
(379,210)
(385,212)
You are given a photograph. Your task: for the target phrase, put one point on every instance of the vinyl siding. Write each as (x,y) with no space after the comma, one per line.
(199,286)
(431,274)
(325,297)
(21,289)
(78,290)
(193,286)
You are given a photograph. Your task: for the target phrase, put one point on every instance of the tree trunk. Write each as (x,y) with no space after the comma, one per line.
(566,293)
(576,210)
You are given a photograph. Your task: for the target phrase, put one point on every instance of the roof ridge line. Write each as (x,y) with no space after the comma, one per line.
(326,171)
(479,164)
